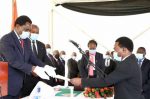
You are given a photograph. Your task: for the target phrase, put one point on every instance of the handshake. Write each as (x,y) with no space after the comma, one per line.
(45,72)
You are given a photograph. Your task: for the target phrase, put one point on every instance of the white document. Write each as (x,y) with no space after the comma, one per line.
(62,77)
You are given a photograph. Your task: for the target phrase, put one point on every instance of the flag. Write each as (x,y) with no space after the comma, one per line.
(14,13)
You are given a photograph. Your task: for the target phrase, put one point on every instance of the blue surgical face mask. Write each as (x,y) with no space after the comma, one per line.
(139,56)
(116,57)
(93,51)
(34,36)
(24,35)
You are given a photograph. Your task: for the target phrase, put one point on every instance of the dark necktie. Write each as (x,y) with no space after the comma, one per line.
(34,48)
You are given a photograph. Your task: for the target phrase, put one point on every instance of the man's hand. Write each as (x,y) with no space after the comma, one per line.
(40,71)
(76,81)
(50,70)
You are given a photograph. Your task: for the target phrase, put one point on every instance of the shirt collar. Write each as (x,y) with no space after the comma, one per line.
(17,35)
(125,57)
(32,40)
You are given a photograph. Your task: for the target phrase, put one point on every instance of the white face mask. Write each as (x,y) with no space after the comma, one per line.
(107,57)
(34,36)
(74,57)
(116,57)
(48,50)
(139,56)
(24,35)
(93,51)
(63,56)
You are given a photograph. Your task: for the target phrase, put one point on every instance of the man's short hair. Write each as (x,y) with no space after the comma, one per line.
(21,20)
(92,41)
(143,48)
(35,26)
(126,43)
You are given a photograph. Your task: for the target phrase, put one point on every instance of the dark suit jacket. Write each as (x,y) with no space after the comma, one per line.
(83,69)
(126,78)
(73,70)
(145,68)
(60,68)
(19,63)
(42,55)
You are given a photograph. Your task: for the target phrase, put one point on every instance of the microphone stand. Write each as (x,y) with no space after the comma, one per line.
(99,70)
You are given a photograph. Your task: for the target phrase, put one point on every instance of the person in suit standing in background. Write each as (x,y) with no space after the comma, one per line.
(110,64)
(144,64)
(126,78)
(50,56)
(73,70)
(95,57)
(62,57)
(38,47)
(39,51)
(16,49)
(60,70)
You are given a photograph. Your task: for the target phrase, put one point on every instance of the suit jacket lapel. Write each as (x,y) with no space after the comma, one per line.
(143,64)
(25,49)
(17,42)
(96,57)
(38,47)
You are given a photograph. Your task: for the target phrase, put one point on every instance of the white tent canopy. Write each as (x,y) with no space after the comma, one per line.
(79,1)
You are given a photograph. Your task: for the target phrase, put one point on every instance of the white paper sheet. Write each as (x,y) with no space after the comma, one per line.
(62,77)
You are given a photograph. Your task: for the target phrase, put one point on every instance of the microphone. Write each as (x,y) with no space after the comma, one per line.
(74,43)
(77,45)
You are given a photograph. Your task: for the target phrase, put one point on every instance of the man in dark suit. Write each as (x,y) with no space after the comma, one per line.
(110,64)
(144,63)
(38,47)
(62,57)
(16,49)
(126,78)
(48,52)
(84,67)
(73,70)
(60,69)
(39,51)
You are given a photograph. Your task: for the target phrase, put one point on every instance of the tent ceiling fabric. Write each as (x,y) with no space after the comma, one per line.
(111,8)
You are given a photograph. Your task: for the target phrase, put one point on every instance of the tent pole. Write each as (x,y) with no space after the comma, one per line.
(51,26)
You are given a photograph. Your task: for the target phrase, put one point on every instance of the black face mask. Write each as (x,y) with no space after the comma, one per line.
(57,56)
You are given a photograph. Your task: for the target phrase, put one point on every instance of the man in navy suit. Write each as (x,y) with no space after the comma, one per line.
(16,49)
(126,78)
(144,63)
